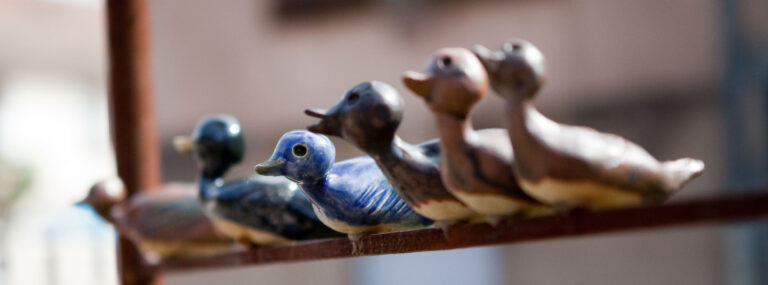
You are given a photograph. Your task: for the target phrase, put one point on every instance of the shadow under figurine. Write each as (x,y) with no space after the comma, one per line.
(477,167)
(368,116)
(164,223)
(350,196)
(571,166)
(256,210)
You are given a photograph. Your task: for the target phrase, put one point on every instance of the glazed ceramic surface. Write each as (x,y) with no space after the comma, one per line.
(477,167)
(260,209)
(368,116)
(351,196)
(569,165)
(167,221)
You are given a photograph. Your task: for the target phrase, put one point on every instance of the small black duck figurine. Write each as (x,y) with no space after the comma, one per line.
(164,223)
(571,166)
(257,209)
(368,116)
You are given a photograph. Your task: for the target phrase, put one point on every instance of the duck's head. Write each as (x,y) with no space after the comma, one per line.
(453,81)
(516,70)
(300,156)
(217,144)
(368,114)
(103,195)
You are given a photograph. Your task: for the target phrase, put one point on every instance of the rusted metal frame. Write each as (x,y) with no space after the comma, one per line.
(132,117)
(711,210)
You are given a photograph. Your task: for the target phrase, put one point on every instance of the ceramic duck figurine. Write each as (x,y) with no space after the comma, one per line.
(254,210)
(476,166)
(165,223)
(571,166)
(350,196)
(368,116)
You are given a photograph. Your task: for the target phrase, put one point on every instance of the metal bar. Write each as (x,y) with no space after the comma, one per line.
(132,118)
(712,210)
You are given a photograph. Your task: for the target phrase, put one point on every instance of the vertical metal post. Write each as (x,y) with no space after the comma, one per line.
(132,118)
(744,93)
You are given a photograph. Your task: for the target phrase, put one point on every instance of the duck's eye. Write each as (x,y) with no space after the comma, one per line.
(510,47)
(445,62)
(352,98)
(299,150)
(518,82)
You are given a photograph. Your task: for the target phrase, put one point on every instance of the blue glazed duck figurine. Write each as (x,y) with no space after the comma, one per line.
(477,167)
(571,166)
(350,196)
(164,223)
(368,116)
(256,209)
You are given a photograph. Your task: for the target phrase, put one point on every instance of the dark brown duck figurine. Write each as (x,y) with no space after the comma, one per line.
(476,166)
(164,223)
(571,166)
(368,116)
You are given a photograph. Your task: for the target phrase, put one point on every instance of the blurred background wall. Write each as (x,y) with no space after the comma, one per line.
(54,139)
(682,78)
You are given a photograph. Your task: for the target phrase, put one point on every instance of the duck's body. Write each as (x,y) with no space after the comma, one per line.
(254,210)
(368,117)
(357,198)
(262,210)
(477,166)
(572,166)
(167,222)
(351,196)
(414,170)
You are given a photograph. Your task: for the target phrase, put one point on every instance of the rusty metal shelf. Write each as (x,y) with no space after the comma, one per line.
(721,209)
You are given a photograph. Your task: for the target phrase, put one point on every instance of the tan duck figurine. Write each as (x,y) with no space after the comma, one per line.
(165,223)
(571,166)
(476,166)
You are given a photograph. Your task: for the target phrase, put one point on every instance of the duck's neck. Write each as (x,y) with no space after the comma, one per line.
(387,153)
(314,188)
(455,132)
(211,178)
(208,186)
(105,213)
(526,126)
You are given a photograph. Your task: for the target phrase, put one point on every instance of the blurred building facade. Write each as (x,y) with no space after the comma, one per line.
(652,71)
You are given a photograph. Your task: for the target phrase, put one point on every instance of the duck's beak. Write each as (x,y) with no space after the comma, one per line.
(489,58)
(82,204)
(317,113)
(328,124)
(419,83)
(183,144)
(270,167)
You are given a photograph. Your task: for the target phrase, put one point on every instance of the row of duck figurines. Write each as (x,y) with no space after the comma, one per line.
(533,167)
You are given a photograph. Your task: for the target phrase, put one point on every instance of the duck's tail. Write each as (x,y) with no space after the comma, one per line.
(681,171)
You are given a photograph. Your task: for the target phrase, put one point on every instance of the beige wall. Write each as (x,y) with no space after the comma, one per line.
(237,57)
(647,70)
